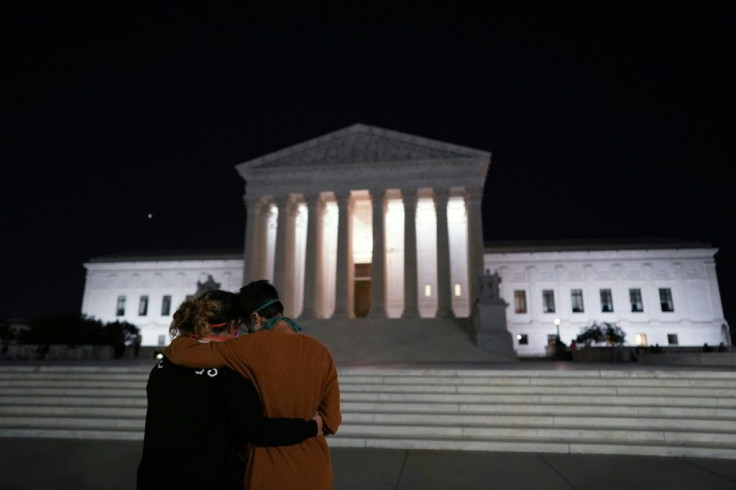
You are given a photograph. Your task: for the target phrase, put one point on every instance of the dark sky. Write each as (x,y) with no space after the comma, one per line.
(604,122)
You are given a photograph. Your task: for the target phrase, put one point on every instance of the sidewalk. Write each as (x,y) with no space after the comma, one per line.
(45,464)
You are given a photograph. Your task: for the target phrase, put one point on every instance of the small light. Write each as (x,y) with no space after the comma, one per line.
(159,356)
(458,289)
(150,215)
(427,290)
(518,337)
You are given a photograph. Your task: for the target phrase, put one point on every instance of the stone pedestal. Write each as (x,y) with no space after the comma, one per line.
(489,329)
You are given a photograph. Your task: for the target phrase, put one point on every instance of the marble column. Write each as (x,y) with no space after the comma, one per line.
(313,282)
(378,259)
(473,200)
(345,273)
(253,211)
(410,254)
(284,257)
(261,252)
(444,280)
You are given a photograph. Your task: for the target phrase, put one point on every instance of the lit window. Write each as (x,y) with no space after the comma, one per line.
(143,306)
(166,305)
(606,301)
(672,339)
(548,301)
(458,289)
(428,290)
(120,309)
(523,339)
(665,300)
(576,296)
(641,339)
(636,303)
(520,301)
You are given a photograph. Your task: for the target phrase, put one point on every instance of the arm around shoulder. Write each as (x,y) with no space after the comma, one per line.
(187,351)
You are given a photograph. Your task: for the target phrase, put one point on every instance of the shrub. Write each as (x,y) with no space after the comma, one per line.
(606,332)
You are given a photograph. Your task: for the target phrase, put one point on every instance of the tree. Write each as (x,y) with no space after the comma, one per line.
(76,329)
(606,332)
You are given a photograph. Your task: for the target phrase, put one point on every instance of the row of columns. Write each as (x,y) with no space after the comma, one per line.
(255,251)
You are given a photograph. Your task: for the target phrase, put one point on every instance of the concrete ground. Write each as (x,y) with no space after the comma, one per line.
(45,464)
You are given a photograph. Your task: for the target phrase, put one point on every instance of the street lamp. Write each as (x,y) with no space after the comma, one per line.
(557,324)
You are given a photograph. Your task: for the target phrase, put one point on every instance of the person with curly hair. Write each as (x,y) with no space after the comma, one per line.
(294,375)
(198,421)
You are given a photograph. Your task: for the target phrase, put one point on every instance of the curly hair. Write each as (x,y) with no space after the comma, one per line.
(196,315)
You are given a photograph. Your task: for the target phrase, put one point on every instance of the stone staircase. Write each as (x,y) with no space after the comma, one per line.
(654,412)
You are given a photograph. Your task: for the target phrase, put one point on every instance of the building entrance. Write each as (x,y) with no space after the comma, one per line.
(362,296)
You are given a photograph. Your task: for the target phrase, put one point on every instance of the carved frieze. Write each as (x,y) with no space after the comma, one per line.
(361,148)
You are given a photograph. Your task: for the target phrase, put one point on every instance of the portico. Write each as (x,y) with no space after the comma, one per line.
(367,222)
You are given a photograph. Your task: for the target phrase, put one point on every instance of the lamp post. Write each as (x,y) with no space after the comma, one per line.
(557,324)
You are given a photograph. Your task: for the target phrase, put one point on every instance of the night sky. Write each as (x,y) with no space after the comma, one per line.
(603,122)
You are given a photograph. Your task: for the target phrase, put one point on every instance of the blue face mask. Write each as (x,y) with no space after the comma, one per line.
(273,321)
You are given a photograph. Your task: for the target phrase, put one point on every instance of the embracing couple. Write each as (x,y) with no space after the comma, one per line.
(228,410)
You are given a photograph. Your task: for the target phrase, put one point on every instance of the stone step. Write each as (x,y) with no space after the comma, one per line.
(534,409)
(603,374)
(542,390)
(80,423)
(537,433)
(73,401)
(74,411)
(72,383)
(628,412)
(529,381)
(693,401)
(549,421)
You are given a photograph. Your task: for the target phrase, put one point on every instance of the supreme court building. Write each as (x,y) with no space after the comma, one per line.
(370,223)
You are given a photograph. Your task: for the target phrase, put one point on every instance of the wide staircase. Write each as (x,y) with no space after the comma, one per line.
(688,413)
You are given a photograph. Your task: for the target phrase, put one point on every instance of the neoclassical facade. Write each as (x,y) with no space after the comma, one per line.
(370,223)
(341,224)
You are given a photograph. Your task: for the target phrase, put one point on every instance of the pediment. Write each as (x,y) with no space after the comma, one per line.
(359,145)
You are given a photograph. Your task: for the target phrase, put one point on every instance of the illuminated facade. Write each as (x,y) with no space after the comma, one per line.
(367,222)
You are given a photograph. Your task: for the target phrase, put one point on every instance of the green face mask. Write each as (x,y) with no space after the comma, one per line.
(273,321)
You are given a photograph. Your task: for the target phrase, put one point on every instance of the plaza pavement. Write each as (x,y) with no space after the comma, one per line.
(45,464)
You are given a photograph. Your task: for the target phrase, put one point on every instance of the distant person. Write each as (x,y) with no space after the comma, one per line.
(136,346)
(199,420)
(721,347)
(707,348)
(573,345)
(295,375)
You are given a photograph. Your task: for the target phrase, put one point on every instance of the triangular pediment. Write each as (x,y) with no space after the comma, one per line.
(359,145)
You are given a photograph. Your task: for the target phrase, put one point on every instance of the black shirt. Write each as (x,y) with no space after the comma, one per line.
(196,424)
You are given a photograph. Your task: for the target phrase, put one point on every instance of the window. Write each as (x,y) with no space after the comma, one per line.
(523,339)
(672,339)
(166,305)
(520,301)
(641,339)
(606,301)
(548,301)
(665,300)
(635,298)
(120,308)
(143,305)
(458,289)
(576,296)
(161,340)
